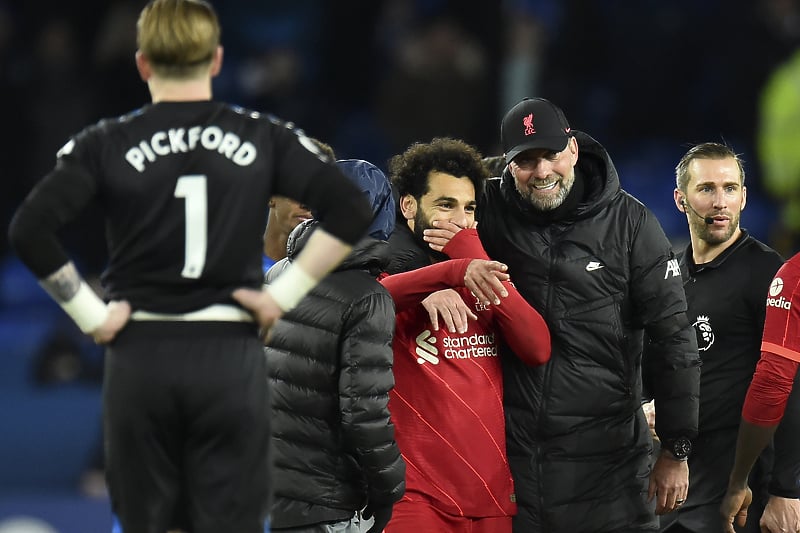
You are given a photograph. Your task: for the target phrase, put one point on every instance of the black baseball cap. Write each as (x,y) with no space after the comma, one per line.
(534,123)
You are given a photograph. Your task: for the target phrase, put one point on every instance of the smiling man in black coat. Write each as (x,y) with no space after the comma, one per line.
(596,264)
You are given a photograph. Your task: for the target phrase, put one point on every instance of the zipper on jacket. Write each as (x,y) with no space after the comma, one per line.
(547,367)
(627,366)
(539,471)
(543,402)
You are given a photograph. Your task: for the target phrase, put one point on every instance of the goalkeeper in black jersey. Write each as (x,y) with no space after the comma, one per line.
(184,183)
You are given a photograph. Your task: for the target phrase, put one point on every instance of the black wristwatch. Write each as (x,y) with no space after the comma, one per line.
(679,448)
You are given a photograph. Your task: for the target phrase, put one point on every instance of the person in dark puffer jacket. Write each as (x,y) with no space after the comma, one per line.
(595,263)
(330,366)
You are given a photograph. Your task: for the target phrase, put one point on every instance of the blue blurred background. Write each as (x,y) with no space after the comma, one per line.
(646,78)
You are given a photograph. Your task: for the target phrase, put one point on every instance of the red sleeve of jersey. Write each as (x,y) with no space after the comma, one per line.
(522,327)
(782,318)
(410,288)
(465,243)
(772,382)
(780,349)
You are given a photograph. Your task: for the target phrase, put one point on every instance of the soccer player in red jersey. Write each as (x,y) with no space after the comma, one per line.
(447,404)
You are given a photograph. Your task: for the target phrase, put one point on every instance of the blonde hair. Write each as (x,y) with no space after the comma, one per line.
(178,37)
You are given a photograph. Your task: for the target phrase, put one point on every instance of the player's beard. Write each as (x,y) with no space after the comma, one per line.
(542,202)
(421,223)
(705,233)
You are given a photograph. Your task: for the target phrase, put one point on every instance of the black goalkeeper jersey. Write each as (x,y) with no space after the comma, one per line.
(184,187)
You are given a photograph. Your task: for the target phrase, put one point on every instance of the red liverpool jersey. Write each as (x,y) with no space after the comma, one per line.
(780,349)
(782,323)
(447,403)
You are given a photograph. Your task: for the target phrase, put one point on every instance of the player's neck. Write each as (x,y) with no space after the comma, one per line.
(275,242)
(162,90)
(274,250)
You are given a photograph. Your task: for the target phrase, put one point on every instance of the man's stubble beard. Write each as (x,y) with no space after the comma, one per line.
(421,223)
(703,230)
(548,203)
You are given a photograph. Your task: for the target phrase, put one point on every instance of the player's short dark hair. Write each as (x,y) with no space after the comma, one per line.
(409,171)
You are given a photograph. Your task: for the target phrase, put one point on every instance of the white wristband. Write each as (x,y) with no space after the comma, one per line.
(86,309)
(289,288)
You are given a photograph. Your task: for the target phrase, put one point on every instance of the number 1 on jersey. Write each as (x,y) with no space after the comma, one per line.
(193,189)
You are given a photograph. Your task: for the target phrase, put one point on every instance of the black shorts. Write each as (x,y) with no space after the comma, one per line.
(187,427)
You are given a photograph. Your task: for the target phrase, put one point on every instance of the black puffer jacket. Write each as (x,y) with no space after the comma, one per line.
(330,365)
(578,444)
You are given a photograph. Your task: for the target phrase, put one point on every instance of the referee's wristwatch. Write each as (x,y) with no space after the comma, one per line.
(679,448)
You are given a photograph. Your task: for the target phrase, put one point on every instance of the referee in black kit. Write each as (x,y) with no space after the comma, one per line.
(727,274)
(184,183)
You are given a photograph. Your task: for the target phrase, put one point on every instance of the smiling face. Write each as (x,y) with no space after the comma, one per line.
(714,190)
(543,177)
(448,199)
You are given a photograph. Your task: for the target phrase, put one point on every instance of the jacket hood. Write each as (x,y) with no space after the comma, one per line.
(368,254)
(374,184)
(594,167)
